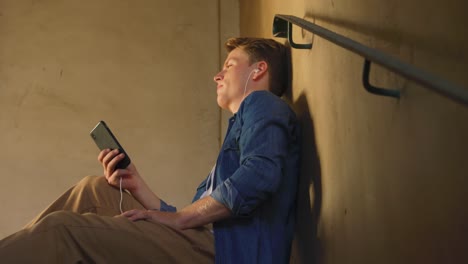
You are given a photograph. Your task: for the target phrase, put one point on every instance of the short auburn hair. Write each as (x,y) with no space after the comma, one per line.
(275,54)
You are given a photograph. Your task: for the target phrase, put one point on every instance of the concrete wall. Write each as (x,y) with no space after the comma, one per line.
(145,67)
(384,180)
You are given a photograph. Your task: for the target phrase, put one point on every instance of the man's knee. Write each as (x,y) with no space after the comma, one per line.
(91,183)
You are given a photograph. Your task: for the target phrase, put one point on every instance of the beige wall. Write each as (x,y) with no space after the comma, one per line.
(145,67)
(384,180)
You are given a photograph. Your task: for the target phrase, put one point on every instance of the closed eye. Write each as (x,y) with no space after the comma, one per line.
(229,63)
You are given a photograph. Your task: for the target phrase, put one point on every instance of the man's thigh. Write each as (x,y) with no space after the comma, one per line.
(94,238)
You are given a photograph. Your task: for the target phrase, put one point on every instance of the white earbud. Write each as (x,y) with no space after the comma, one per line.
(256,70)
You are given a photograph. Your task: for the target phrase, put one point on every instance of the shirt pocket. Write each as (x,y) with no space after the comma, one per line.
(232,141)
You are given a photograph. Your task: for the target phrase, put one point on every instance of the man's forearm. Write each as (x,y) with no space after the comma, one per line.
(147,197)
(200,213)
(204,211)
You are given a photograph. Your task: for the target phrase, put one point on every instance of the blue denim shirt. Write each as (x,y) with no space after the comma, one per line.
(256,178)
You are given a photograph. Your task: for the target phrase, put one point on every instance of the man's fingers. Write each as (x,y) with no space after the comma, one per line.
(109,156)
(114,178)
(108,162)
(111,166)
(102,154)
(115,160)
(135,215)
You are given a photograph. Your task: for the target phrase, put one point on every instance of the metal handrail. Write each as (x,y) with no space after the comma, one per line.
(282,27)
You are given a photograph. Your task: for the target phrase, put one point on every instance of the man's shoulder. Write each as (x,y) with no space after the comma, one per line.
(265,101)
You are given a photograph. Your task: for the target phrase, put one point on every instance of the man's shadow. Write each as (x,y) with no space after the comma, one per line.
(307,247)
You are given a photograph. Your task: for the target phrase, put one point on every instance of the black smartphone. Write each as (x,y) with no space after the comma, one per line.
(104,139)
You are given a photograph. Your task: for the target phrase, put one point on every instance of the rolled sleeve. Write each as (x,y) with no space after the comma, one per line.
(166,207)
(228,195)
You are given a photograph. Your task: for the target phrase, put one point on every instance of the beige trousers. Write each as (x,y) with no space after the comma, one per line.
(80,227)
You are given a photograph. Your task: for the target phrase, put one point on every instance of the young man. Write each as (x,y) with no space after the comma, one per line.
(249,196)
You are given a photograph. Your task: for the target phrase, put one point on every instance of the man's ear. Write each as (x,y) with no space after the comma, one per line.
(262,68)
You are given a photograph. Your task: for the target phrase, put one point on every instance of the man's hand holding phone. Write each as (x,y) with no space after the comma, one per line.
(131,179)
(117,165)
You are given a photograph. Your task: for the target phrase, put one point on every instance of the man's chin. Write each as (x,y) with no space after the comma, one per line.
(221,103)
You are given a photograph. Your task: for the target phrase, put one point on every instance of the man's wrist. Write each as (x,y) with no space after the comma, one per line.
(146,197)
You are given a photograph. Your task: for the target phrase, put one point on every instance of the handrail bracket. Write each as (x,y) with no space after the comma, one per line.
(283,29)
(373,89)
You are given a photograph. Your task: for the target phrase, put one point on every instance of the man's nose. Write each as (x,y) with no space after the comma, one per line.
(218,77)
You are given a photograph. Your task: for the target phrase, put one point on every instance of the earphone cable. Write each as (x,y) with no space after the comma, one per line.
(246,82)
(121,196)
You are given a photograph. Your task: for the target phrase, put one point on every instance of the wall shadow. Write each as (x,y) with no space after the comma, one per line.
(307,247)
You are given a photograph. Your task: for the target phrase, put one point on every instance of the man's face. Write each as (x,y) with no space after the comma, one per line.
(232,80)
